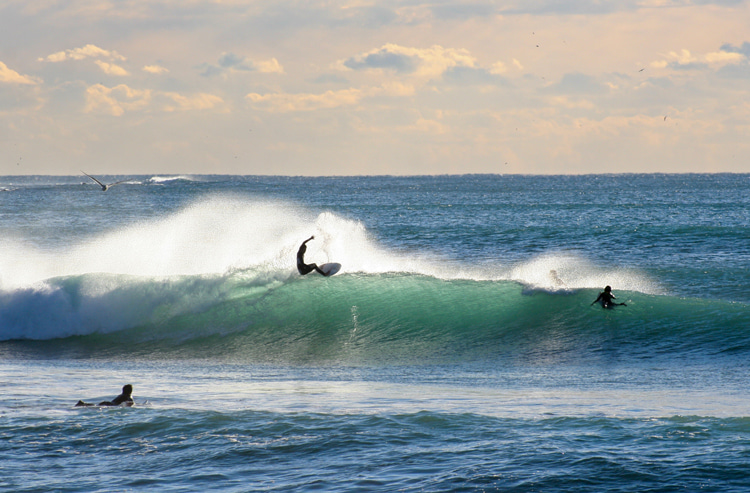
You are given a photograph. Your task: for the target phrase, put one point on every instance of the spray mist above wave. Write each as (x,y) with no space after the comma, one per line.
(219,235)
(212,236)
(554,272)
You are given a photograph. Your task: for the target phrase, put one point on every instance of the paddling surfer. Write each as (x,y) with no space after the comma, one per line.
(302,267)
(605,298)
(125,398)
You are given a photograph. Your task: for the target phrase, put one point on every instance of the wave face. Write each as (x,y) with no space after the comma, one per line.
(217,279)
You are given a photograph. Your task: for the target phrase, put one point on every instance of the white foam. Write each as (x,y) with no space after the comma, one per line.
(222,234)
(564,271)
(164,179)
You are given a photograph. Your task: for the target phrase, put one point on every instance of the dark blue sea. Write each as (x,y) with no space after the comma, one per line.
(457,349)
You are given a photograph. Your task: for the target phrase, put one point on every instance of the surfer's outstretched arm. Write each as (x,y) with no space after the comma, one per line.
(302,267)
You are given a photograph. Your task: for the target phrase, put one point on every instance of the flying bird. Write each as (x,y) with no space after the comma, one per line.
(104,186)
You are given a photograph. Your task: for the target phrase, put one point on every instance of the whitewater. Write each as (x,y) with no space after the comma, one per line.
(456,350)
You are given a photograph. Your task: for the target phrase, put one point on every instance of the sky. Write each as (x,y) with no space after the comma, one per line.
(358,87)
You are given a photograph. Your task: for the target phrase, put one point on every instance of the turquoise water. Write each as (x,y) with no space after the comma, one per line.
(457,349)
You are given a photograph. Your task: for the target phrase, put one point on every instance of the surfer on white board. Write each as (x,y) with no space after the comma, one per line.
(302,267)
(125,398)
(606,297)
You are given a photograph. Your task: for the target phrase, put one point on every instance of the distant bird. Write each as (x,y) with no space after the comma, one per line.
(665,117)
(641,70)
(104,187)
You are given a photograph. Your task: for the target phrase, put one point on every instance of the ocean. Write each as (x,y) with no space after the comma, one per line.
(456,350)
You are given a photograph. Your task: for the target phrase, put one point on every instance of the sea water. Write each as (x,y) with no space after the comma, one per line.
(456,350)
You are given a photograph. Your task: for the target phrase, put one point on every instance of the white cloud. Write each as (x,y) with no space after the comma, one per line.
(498,68)
(685,58)
(12,77)
(88,51)
(115,100)
(231,63)
(201,101)
(118,100)
(112,69)
(155,69)
(305,102)
(424,63)
(723,57)
(282,102)
(271,66)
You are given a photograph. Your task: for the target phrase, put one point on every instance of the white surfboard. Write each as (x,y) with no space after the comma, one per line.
(330,268)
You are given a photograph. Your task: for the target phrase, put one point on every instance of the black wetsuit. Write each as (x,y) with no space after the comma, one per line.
(122,398)
(125,398)
(302,267)
(606,299)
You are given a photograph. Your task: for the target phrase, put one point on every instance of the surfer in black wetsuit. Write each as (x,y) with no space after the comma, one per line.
(125,398)
(302,267)
(606,297)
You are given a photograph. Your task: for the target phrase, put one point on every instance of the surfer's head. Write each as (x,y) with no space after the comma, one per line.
(127,389)
(607,289)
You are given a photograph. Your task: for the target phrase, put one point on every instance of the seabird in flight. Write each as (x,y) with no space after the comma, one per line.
(104,187)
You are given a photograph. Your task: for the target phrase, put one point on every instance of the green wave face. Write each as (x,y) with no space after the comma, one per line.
(366,319)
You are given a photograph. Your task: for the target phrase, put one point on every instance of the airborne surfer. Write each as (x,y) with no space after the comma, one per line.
(125,398)
(605,298)
(302,267)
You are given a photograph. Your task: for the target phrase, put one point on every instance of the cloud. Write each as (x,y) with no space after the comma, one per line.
(724,57)
(573,7)
(230,62)
(155,69)
(201,101)
(384,58)
(88,51)
(429,63)
(744,49)
(468,76)
(112,69)
(685,60)
(276,102)
(118,100)
(12,77)
(282,102)
(455,10)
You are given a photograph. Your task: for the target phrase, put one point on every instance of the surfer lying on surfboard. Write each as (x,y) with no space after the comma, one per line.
(302,267)
(606,297)
(125,398)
